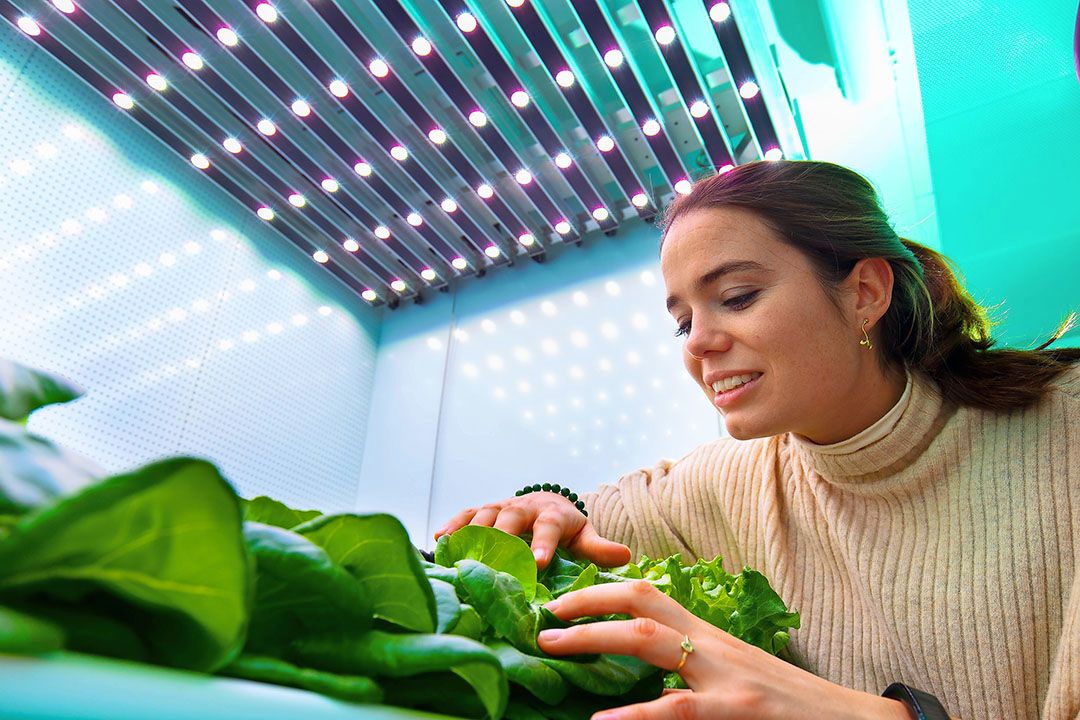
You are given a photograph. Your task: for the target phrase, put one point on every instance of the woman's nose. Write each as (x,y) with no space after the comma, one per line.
(704,339)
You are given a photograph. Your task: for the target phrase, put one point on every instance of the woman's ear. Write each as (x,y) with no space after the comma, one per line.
(871,282)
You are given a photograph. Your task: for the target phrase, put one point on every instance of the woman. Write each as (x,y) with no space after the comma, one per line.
(912,492)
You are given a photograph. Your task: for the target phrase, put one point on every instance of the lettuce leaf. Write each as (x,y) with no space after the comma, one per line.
(23,390)
(268,511)
(300,592)
(379,654)
(159,549)
(375,549)
(354,688)
(494,548)
(35,472)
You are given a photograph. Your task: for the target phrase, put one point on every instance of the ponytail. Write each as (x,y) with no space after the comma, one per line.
(938,329)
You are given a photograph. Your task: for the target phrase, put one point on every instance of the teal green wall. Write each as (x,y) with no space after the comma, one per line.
(1002,107)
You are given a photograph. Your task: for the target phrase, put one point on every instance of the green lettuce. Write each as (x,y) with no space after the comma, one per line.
(23,390)
(375,549)
(158,551)
(488,565)
(271,512)
(165,564)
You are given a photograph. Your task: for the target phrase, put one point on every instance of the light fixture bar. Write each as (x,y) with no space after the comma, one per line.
(509,83)
(674,54)
(465,103)
(185,107)
(363,52)
(363,277)
(738,62)
(331,140)
(596,25)
(320,71)
(534,29)
(143,18)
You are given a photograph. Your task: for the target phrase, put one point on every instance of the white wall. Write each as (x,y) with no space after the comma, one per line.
(194,328)
(566,372)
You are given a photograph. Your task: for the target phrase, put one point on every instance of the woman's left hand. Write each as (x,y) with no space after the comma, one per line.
(728,678)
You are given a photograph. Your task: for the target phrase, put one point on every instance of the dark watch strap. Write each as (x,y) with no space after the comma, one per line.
(924,706)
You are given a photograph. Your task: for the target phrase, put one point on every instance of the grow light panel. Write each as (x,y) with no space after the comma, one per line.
(507,98)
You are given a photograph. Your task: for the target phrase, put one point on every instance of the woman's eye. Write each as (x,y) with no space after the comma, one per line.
(741,301)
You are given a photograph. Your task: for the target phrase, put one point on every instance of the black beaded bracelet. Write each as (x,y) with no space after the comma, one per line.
(555,488)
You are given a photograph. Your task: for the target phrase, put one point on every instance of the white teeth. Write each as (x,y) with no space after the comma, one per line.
(733,382)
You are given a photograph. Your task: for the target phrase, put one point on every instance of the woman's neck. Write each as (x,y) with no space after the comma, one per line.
(874,394)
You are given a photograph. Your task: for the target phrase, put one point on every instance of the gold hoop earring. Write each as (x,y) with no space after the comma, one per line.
(865,342)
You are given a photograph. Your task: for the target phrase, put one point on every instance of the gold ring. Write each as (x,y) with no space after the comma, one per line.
(687,648)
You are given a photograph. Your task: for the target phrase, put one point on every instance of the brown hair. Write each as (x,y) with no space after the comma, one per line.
(833,215)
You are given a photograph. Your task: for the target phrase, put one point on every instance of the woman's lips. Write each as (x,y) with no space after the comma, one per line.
(725,398)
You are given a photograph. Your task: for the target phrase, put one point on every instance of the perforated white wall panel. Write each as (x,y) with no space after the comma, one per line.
(194,328)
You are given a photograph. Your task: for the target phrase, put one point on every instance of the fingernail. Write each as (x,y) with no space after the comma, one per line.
(539,555)
(550,635)
(606,716)
(552,606)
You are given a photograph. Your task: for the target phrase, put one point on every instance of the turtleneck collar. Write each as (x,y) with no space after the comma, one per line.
(884,448)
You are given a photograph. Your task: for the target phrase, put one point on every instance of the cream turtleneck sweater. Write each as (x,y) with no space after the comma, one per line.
(938,548)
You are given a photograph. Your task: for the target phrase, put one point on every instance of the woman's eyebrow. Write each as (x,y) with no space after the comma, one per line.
(718,272)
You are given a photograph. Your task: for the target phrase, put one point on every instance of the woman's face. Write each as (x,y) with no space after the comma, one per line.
(760,324)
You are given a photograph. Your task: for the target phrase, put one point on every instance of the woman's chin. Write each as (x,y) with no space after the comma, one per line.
(744,428)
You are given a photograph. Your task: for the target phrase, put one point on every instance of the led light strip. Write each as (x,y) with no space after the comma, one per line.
(742,72)
(433,62)
(321,130)
(364,53)
(204,124)
(647,117)
(559,69)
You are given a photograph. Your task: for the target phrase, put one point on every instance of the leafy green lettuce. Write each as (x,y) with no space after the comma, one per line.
(157,552)
(743,605)
(164,564)
(23,390)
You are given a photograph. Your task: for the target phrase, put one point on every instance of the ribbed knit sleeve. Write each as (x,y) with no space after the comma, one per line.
(630,511)
(673,506)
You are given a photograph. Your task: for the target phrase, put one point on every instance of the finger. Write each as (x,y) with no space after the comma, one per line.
(637,598)
(513,520)
(455,523)
(684,705)
(605,553)
(645,638)
(485,516)
(547,532)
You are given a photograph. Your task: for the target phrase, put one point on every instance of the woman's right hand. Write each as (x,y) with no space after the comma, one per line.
(553,521)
